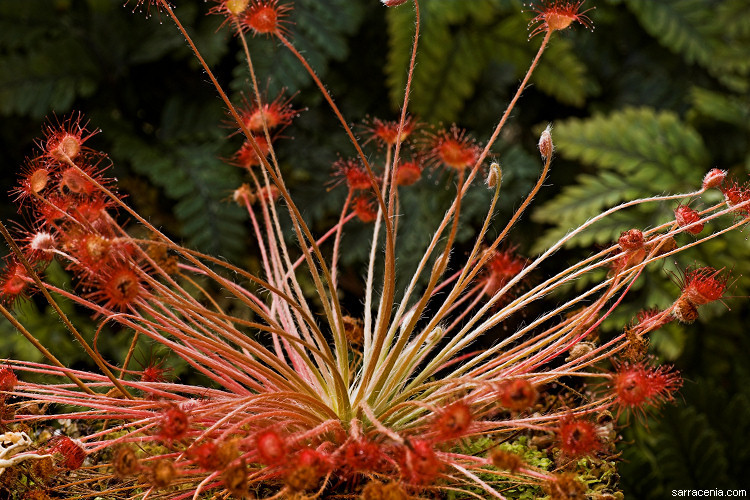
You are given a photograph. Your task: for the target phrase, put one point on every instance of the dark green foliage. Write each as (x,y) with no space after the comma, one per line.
(319,30)
(43,322)
(643,106)
(709,33)
(42,68)
(635,150)
(700,444)
(186,164)
(458,41)
(725,108)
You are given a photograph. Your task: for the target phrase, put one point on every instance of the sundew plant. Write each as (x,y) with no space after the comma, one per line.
(432,389)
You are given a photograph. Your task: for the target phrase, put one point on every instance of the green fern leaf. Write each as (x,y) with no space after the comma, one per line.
(733,18)
(562,74)
(731,22)
(458,42)
(23,24)
(721,107)
(634,139)
(320,32)
(50,77)
(637,149)
(680,25)
(578,203)
(187,167)
(452,55)
(690,452)
(737,430)
(713,36)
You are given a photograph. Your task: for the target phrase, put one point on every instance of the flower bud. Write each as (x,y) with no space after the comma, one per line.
(243,194)
(545,143)
(495,177)
(714,178)
(631,240)
(393,3)
(685,311)
(686,216)
(236,7)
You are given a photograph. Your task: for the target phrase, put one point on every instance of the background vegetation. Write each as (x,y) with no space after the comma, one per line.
(647,103)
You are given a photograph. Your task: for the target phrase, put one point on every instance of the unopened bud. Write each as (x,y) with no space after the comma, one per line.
(393,3)
(714,178)
(686,216)
(236,7)
(545,143)
(685,311)
(631,240)
(243,195)
(435,335)
(579,350)
(495,177)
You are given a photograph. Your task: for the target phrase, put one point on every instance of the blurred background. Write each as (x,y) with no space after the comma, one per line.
(645,104)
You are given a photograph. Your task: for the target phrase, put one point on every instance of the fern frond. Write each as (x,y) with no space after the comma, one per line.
(704,33)
(578,203)
(320,31)
(690,452)
(733,18)
(192,174)
(458,42)
(562,74)
(634,139)
(49,77)
(639,149)
(682,26)
(454,51)
(721,107)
